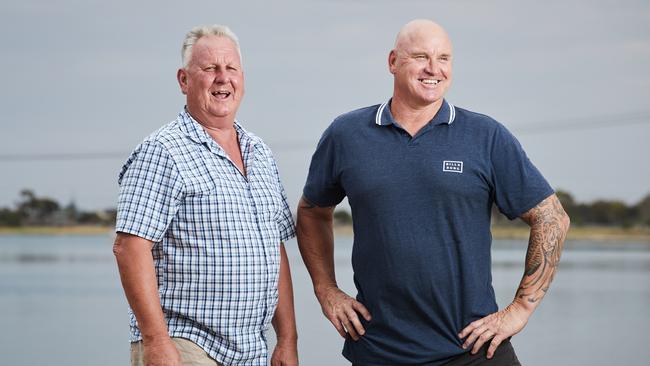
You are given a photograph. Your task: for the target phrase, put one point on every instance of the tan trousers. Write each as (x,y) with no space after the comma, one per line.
(191,354)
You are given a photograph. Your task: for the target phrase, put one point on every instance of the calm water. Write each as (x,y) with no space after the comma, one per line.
(61,304)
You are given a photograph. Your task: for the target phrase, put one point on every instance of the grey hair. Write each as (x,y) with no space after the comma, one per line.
(206,30)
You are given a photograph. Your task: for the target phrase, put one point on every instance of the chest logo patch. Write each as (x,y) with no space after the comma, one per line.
(452,166)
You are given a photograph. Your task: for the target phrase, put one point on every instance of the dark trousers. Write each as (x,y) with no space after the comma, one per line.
(503,356)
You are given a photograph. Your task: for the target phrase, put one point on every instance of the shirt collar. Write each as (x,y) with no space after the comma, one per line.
(193,129)
(445,115)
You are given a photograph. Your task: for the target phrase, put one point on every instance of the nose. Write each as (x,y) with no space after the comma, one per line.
(433,67)
(220,76)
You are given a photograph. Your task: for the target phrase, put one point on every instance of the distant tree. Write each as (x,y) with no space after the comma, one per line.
(89,218)
(110,216)
(643,211)
(342,217)
(574,211)
(611,213)
(565,198)
(499,219)
(36,211)
(71,212)
(10,218)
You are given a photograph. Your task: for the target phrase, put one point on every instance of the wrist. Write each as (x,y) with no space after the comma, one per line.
(322,290)
(287,340)
(155,338)
(524,306)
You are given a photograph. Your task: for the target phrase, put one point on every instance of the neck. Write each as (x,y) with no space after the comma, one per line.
(222,130)
(211,122)
(412,116)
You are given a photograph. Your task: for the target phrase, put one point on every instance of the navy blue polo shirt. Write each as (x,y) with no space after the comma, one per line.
(421,211)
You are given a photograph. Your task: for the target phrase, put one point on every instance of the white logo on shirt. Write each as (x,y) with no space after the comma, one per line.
(452,166)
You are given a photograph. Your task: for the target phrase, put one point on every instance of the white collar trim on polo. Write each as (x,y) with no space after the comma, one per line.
(380,111)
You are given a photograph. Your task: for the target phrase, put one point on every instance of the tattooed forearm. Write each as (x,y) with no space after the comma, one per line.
(549,224)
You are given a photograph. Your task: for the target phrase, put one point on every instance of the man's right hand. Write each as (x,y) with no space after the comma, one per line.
(342,310)
(161,352)
(138,275)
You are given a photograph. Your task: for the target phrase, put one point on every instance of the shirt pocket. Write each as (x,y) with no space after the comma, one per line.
(266,192)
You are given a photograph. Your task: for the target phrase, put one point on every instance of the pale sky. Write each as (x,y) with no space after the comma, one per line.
(571,79)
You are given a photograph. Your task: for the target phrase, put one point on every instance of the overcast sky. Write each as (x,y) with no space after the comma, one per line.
(571,79)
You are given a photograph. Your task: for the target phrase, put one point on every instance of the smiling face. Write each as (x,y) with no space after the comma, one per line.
(213,80)
(421,64)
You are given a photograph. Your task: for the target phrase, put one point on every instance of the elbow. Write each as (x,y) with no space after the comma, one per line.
(118,247)
(566,221)
(563,220)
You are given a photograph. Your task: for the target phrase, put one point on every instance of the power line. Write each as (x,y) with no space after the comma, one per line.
(63,156)
(584,123)
(549,126)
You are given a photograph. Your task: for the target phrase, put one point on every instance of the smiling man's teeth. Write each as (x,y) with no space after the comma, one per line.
(219,93)
(430,81)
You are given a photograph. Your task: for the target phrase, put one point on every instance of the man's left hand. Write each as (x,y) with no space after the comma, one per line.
(497,326)
(285,354)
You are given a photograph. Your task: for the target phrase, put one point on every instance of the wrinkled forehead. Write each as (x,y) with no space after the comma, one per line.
(208,49)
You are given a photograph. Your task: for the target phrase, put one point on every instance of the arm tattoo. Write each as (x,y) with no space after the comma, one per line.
(549,224)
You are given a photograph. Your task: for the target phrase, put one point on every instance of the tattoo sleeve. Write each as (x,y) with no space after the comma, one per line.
(549,224)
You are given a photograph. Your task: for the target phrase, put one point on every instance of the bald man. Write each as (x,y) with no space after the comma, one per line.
(421,176)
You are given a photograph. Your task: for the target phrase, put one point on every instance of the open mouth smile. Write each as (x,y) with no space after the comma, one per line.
(220,94)
(429,81)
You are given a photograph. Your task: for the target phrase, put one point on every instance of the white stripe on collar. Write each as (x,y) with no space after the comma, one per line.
(380,111)
(452,113)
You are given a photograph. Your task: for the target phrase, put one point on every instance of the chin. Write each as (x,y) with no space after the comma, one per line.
(221,112)
(429,99)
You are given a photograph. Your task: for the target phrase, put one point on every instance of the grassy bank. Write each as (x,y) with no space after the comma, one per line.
(498,232)
(595,233)
(57,230)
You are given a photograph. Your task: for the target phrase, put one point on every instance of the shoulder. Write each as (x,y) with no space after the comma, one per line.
(157,149)
(481,125)
(475,119)
(167,137)
(254,138)
(354,120)
(162,141)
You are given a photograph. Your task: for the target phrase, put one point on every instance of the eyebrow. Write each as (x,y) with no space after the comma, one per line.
(420,52)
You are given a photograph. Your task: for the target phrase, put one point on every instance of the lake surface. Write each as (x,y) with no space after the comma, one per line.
(61,303)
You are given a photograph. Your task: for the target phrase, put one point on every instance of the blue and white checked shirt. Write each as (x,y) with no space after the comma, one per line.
(217,236)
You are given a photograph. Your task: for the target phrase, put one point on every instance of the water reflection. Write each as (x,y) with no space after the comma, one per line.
(63,293)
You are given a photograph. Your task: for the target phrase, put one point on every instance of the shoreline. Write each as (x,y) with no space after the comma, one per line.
(57,230)
(580,233)
(595,233)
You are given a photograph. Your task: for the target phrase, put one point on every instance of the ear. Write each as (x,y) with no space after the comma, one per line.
(392,59)
(181,76)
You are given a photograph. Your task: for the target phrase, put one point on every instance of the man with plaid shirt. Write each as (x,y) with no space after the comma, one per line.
(201,220)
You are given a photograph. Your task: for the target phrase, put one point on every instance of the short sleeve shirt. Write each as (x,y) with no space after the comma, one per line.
(421,208)
(216,235)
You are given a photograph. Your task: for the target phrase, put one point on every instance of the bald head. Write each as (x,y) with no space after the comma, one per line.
(418,29)
(421,64)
